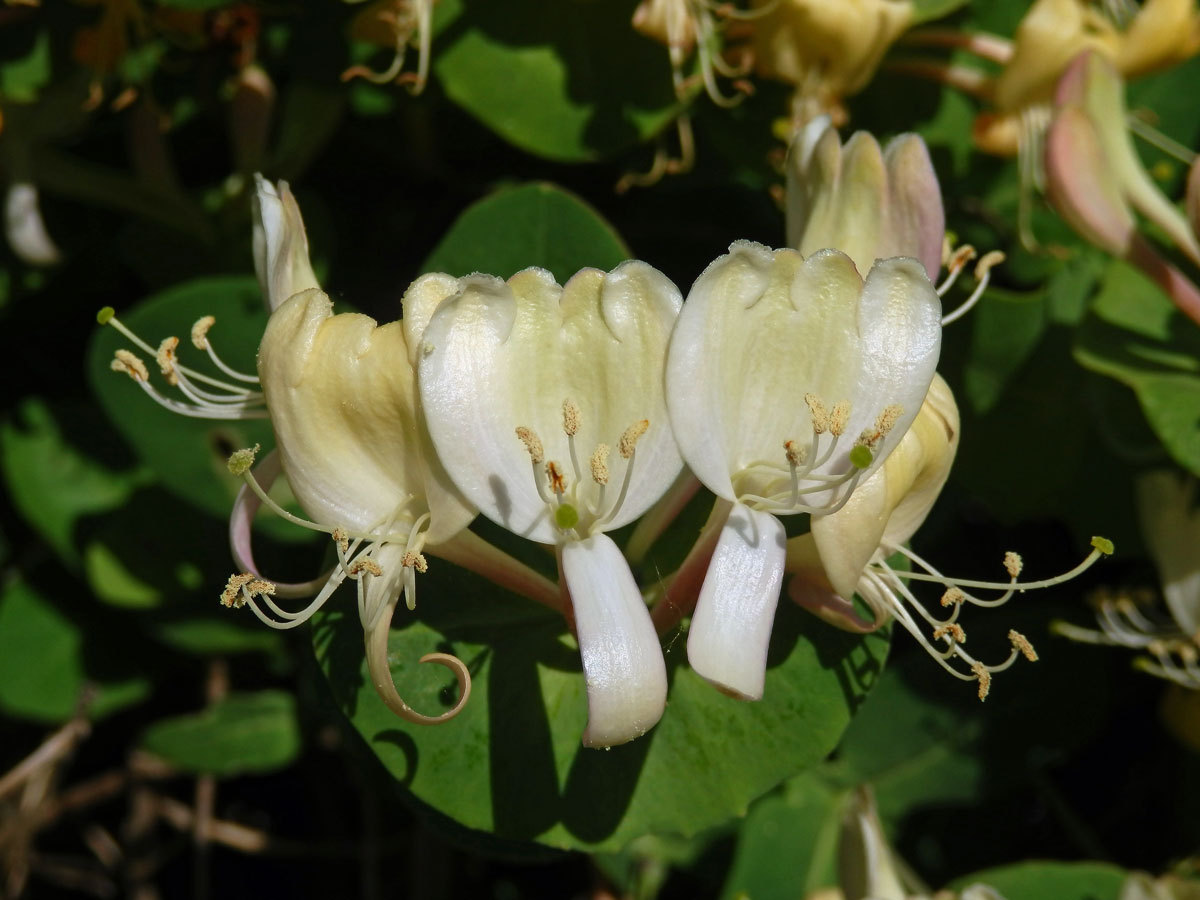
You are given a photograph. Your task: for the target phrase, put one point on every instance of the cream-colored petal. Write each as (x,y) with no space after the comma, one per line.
(622,658)
(761,329)
(916,224)
(1170,521)
(894,501)
(498,356)
(341,396)
(731,628)
(280,244)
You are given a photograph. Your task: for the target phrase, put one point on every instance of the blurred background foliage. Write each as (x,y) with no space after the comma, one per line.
(158,745)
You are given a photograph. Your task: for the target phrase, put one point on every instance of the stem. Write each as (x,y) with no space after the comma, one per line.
(681,589)
(469,551)
(660,516)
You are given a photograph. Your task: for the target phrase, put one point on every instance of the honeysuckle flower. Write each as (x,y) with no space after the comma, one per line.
(1095,180)
(395,25)
(545,404)
(847,552)
(341,395)
(25,228)
(1170,521)
(828,51)
(789,380)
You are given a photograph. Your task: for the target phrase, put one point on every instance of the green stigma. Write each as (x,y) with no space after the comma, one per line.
(241,460)
(566,516)
(105,314)
(861,457)
(1104,545)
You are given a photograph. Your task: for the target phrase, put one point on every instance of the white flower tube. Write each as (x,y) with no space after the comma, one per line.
(789,380)
(546,407)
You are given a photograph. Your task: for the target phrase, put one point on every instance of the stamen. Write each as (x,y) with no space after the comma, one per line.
(599,465)
(820,418)
(983,276)
(364,564)
(532,443)
(232,597)
(630,438)
(414,560)
(1012,564)
(165,357)
(952,630)
(985,678)
(839,417)
(1021,642)
(570,418)
(796,455)
(953,597)
(131,365)
(341,539)
(200,331)
(954,261)
(558,481)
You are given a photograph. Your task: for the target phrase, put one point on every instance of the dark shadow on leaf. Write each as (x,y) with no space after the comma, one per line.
(600,786)
(407,746)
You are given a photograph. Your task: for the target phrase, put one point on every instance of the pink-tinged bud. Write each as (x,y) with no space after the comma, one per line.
(250,113)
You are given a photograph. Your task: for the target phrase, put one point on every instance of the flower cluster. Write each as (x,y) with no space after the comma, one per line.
(791,382)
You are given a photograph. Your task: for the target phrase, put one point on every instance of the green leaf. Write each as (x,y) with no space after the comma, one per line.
(1051,881)
(567,81)
(1138,337)
(45,666)
(22,79)
(534,224)
(188,455)
(52,480)
(242,733)
(512,764)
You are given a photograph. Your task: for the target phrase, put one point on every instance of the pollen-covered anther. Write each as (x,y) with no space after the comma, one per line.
(341,539)
(960,257)
(240,461)
(630,438)
(554,475)
(200,331)
(987,262)
(131,365)
(599,464)
(1021,642)
(532,443)
(260,586)
(1012,564)
(414,560)
(952,630)
(820,416)
(796,454)
(165,357)
(953,597)
(984,677)
(838,417)
(570,418)
(232,596)
(364,564)
(887,418)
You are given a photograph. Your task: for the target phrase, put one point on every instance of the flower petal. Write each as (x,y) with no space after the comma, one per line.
(731,629)
(916,217)
(341,397)
(280,244)
(498,356)
(622,658)
(1170,523)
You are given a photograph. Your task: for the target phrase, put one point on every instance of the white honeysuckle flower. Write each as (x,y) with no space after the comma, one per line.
(25,228)
(280,244)
(545,404)
(789,380)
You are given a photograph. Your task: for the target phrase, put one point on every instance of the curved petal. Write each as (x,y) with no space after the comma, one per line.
(622,658)
(280,244)
(762,329)
(341,398)
(1170,523)
(916,218)
(893,502)
(498,356)
(731,629)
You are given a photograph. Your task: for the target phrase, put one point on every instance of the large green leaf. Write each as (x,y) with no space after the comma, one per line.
(512,764)
(46,663)
(534,224)
(242,733)
(1138,337)
(1051,881)
(568,81)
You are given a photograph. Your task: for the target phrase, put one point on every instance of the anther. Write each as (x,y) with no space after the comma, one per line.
(953,597)
(1012,564)
(887,418)
(364,564)
(131,365)
(796,455)
(986,262)
(232,596)
(165,357)
(599,464)
(414,560)
(532,443)
(341,539)
(630,438)
(820,418)
(953,630)
(1021,642)
(838,418)
(558,481)
(985,678)
(570,418)
(240,461)
(258,587)
(200,331)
